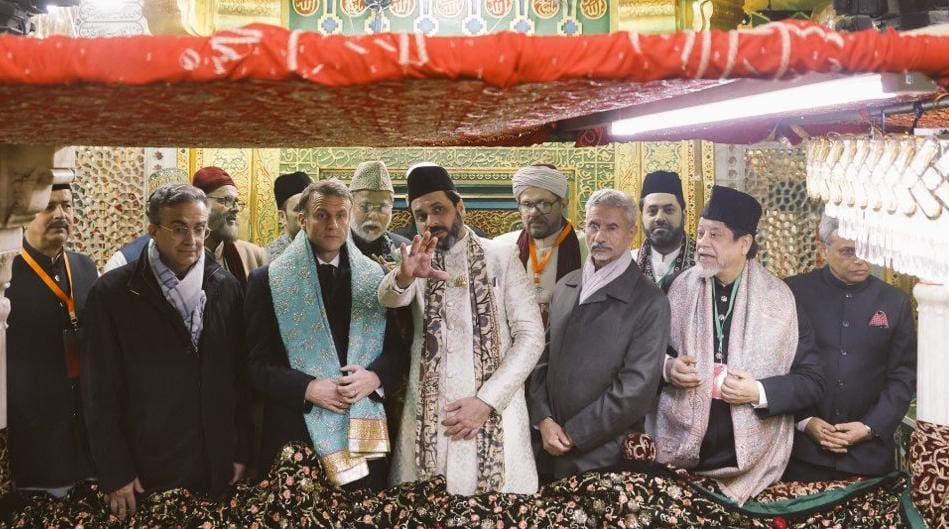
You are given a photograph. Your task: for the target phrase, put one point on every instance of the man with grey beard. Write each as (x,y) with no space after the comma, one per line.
(741,362)
(238,257)
(373,196)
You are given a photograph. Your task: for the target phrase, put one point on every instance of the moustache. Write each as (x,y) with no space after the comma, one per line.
(57,224)
(599,246)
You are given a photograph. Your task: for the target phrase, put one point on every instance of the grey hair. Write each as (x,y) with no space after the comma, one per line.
(615,199)
(171,195)
(323,188)
(828,225)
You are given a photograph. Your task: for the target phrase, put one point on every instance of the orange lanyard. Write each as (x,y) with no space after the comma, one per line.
(539,265)
(52,286)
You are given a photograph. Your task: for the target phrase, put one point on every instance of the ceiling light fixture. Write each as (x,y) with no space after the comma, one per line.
(772,98)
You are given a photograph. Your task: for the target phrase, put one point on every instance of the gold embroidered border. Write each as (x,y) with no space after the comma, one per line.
(341,468)
(368,437)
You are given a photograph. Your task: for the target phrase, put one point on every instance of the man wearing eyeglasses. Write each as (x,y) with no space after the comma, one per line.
(866,340)
(372,212)
(236,256)
(548,246)
(163,382)
(373,196)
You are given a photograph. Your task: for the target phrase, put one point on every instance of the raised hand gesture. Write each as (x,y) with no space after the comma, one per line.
(417,261)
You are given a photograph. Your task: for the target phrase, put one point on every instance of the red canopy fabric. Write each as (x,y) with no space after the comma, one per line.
(269,87)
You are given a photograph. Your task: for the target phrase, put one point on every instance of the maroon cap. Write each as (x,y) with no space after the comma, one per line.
(208,179)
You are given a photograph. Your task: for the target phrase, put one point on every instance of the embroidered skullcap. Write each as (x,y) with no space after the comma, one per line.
(663,182)
(542,176)
(287,185)
(208,179)
(734,208)
(425,178)
(372,176)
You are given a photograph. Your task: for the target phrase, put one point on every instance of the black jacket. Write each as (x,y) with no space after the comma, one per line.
(282,388)
(157,408)
(870,368)
(48,445)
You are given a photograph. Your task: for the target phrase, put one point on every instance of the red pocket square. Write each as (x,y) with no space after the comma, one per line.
(879,320)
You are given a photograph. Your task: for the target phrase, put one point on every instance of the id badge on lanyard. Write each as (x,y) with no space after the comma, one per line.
(719,372)
(71,341)
(71,334)
(720,368)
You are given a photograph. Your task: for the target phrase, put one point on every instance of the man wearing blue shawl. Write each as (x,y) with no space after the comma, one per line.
(322,351)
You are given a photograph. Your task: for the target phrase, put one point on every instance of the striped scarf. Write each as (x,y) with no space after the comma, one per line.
(185,295)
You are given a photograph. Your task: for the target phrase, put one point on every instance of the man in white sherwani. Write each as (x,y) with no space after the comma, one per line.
(477,339)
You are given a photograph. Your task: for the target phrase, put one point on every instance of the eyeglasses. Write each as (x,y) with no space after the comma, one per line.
(182,232)
(542,206)
(384,207)
(229,202)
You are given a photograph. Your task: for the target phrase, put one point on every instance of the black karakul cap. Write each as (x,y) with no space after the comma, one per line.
(425,179)
(287,185)
(734,208)
(663,182)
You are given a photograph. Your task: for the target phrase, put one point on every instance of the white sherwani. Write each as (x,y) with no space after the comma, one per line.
(548,278)
(522,342)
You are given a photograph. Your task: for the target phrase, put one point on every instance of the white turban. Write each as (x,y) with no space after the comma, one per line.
(539,176)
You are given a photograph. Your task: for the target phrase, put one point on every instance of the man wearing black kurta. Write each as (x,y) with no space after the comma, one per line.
(290,393)
(48,447)
(867,342)
(162,363)
(745,360)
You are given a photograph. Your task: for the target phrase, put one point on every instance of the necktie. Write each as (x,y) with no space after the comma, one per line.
(327,275)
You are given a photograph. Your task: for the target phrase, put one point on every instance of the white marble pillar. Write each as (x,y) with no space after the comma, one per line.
(929,464)
(932,401)
(27,174)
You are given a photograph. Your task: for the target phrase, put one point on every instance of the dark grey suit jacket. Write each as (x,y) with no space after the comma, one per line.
(600,372)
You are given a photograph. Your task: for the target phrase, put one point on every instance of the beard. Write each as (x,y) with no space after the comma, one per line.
(665,236)
(707,271)
(369,230)
(541,228)
(448,238)
(223,225)
(710,266)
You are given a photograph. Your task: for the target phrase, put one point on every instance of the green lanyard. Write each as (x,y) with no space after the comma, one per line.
(720,322)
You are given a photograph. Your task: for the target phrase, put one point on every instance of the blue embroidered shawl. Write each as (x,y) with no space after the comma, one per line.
(346,441)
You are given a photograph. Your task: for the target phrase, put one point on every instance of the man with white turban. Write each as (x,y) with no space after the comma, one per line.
(548,246)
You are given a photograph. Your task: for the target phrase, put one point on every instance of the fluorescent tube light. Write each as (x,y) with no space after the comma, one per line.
(830,93)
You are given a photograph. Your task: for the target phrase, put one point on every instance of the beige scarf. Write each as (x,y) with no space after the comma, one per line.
(762,341)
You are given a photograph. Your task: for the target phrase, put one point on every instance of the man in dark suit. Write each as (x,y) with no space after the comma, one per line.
(48,289)
(609,328)
(163,386)
(867,342)
(323,351)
